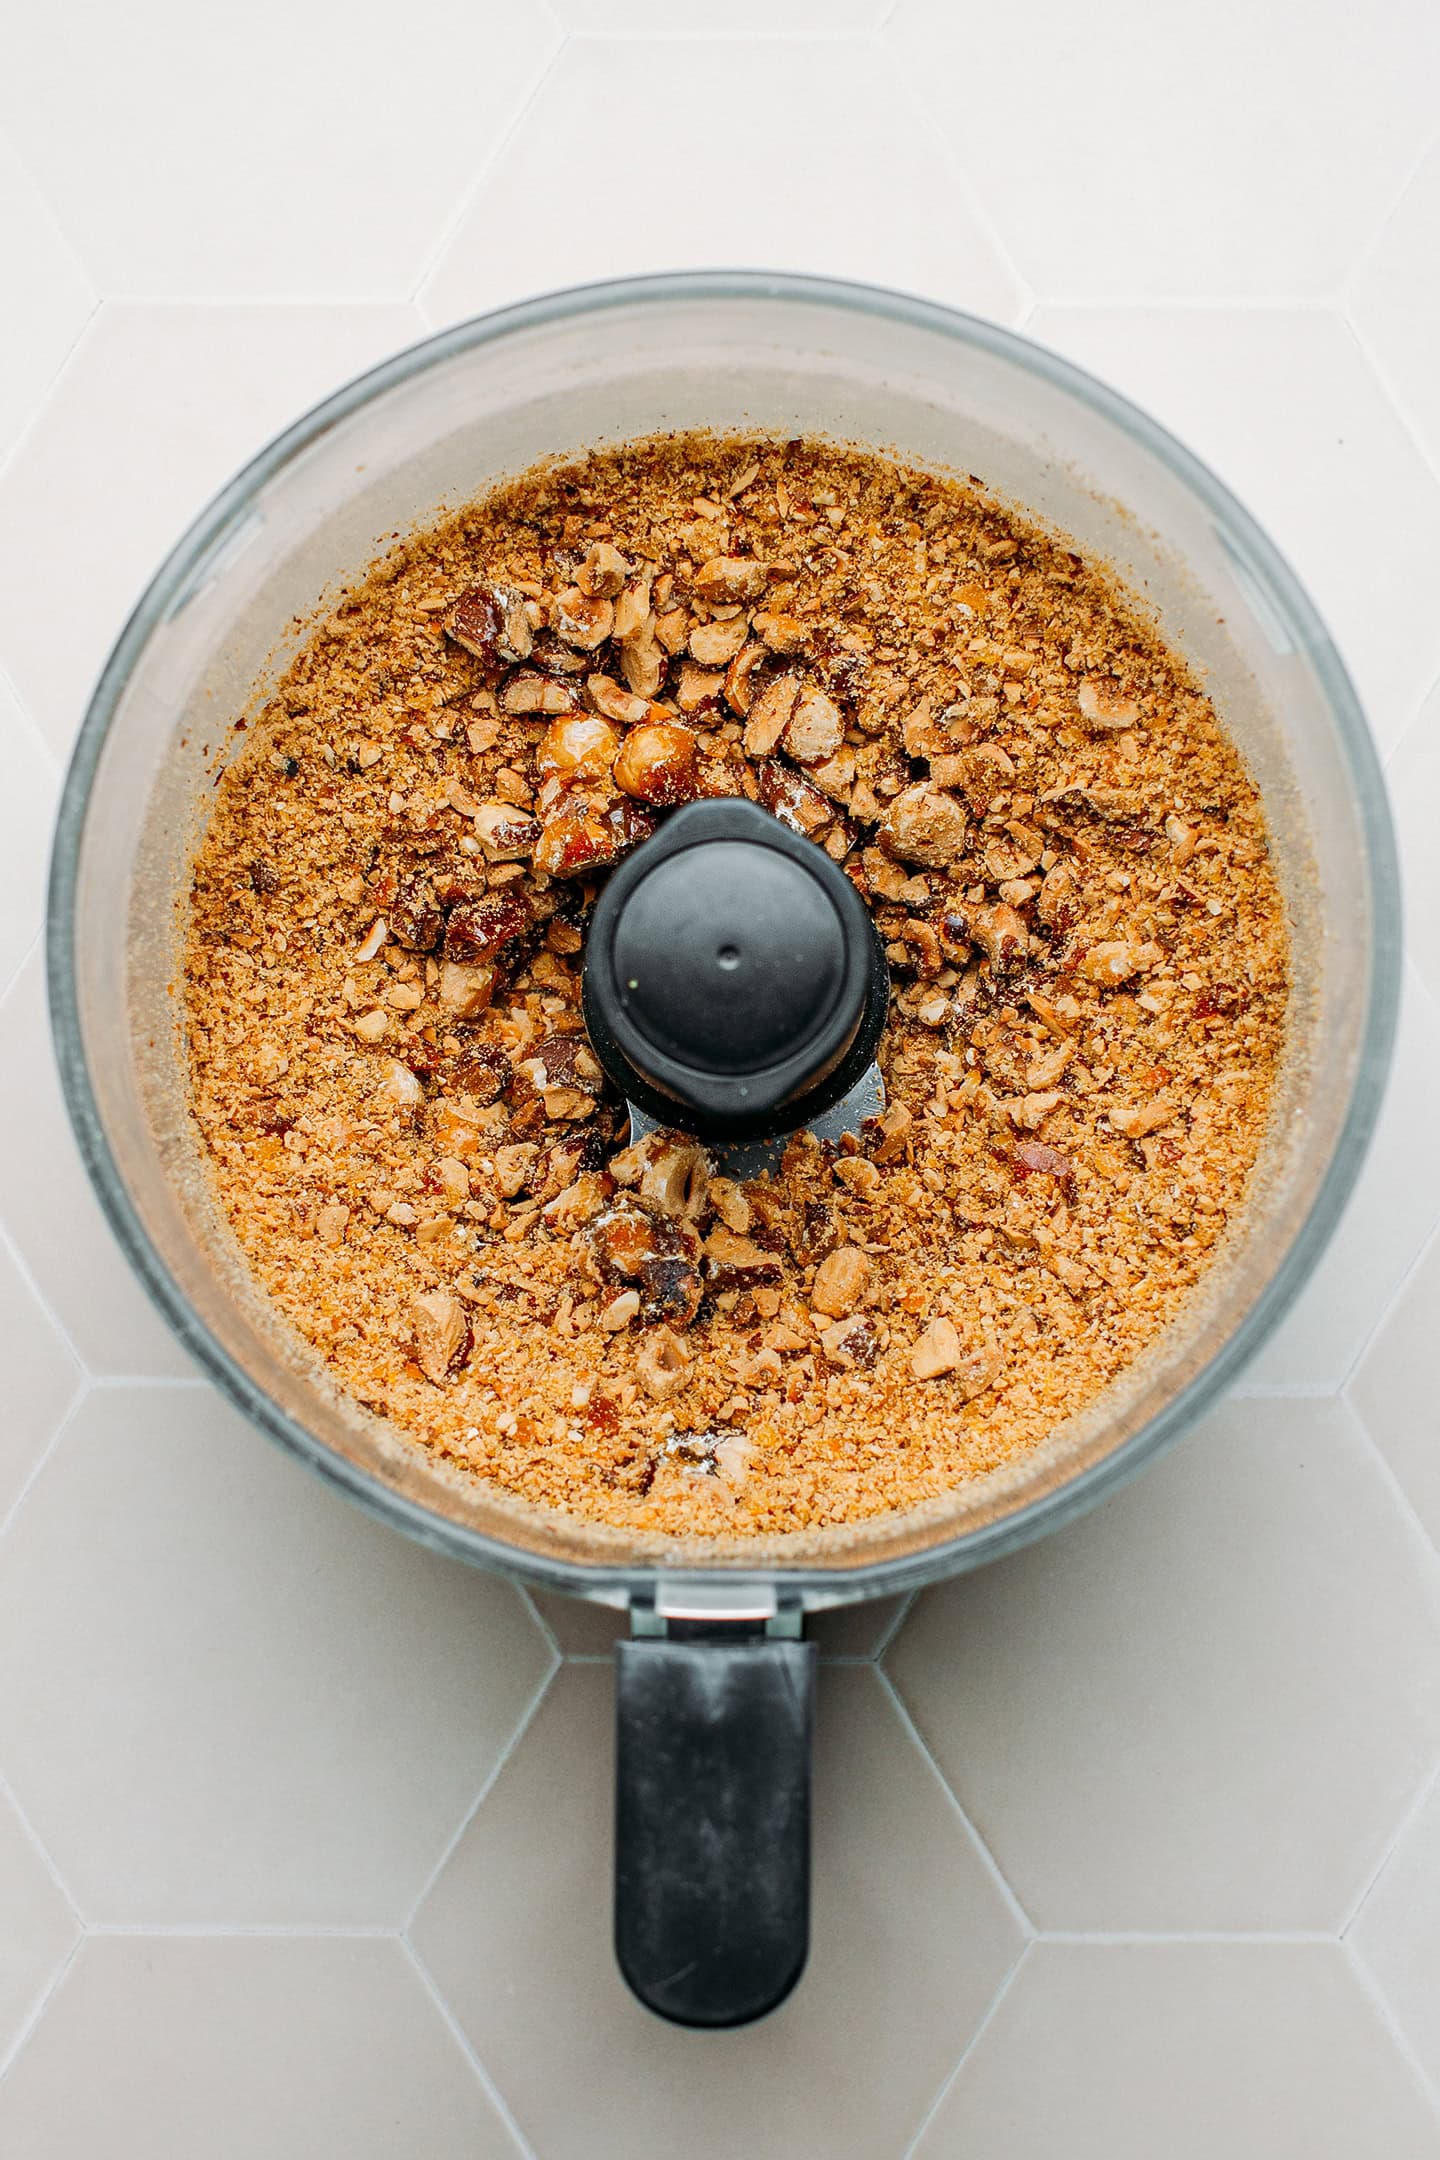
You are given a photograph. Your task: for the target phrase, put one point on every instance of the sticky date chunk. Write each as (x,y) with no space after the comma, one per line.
(1032,1158)
(660,1257)
(587,839)
(793,800)
(415,919)
(492,626)
(478,929)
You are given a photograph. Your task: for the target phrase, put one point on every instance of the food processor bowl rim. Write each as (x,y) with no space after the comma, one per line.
(815,1586)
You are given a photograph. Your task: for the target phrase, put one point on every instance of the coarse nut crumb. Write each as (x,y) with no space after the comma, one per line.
(1062,852)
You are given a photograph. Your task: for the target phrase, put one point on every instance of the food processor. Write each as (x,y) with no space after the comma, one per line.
(715,1685)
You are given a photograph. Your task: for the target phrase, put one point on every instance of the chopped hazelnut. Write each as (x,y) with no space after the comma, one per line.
(581,747)
(1104,707)
(603,572)
(441,1332)
(715,644)
(840,1281)
(937,1351)
(727,579)
(584,620)
(770,715)
(614,703)
(464,989)
(620,1311)
(814,730)
(658,765)
(923,825)
(661,1362)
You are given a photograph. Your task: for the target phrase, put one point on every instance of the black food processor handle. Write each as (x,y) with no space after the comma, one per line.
(712,1824)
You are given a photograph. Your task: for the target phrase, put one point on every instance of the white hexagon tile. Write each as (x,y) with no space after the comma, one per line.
(1125,1846)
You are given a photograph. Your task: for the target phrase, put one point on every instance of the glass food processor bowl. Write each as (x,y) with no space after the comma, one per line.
(558,376)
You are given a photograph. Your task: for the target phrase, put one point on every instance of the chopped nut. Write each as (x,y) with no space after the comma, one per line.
(632,609)
(661,1362)
(850,1342)
(780,633)
(698,689)
(1103,706)
(1116,961)
(1044,1071)
(330,1224)
(715,644)
(727,579)
(1135,1120)
(840,1281)
(730,1204)
(466,990)
(504,833)
(642,663)
(454,1178)
(515,1166)
(619,1313)
(814,730)
(770,715)
(375,938)
(616,704)
(577,1203)
(658,765)
(923,825)
(536,694)
(860,1174)
(583,619)
(739,686)
(671,1171)
(1030,1111)
(1000,933)
(399,1086)
(894,1129)
(937,1351)
(372,1027)
(442,1334)
(603,572)
(792,799)
(580,747)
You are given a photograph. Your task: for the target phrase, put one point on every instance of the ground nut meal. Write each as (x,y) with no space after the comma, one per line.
(415,1144)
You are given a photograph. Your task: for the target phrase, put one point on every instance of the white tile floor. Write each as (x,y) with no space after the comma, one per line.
(1128,1847)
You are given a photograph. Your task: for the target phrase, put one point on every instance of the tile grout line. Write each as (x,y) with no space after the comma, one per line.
(468,194)
(907,1606)
(461,2038)
(57,1876)
(1398,403)
(486,1787)
(1394,2031)
(1431,1244)
(968,2050)
(1001,1881)
(240,1931)
(1369,247)
(965,187)
(1140,1938)
(12,455)
(39,1464)
(28,2026)
(1408,1817)
(1405,1506)
(1195,304)
(23,1269)
(527,1599)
